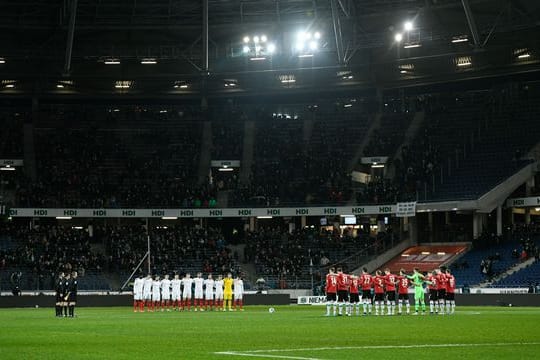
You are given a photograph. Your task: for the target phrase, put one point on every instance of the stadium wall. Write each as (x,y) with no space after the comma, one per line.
(121,300)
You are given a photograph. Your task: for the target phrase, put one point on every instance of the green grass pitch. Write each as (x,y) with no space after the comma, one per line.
(292,332)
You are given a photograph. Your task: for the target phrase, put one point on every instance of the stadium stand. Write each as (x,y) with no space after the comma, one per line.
(425,257)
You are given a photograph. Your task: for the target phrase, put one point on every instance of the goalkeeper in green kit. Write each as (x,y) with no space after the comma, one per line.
(418,281)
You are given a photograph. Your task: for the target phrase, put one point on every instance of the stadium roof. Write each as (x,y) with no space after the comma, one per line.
(450,39)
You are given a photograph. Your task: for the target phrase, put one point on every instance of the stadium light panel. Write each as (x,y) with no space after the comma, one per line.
(10,86)
(263,38)
(169,218)
(460,39)
(64,218)
(299,46)
(245,49)
(112,62)
(246,39)
(7,168)
(256,39)
(524,56)
(288,81)
(2,61)
(313,45)
(149,61)
(317,35)
(271,48)
(398,37)
(264,217)
(412,45)
(408,26)
(258,58)
(305,55)
(465,63)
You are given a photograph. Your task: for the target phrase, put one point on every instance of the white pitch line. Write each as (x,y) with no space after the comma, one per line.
(265,352)
(250,354)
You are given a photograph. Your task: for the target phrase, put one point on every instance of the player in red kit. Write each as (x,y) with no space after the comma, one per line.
(433,291)
(354,296)
(441,291)
(342,292)
(450,290)
(390,281)
(366,282)
(378,287)
(331,291)
(403,292)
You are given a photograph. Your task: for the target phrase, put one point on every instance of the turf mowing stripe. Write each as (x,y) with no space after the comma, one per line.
(265,353)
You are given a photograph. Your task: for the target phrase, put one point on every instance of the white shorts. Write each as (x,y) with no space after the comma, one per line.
(238,296)
(148,296)
(218,295)
(165,295)
(186,295)
(137,296)
(156,296)
(209,296)
(176,295)
(198,294)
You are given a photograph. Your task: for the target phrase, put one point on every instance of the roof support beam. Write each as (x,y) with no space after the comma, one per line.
(471,22)
(70,35)
(205,36)
(337,30)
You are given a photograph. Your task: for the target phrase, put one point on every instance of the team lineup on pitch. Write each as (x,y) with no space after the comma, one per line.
(343,292)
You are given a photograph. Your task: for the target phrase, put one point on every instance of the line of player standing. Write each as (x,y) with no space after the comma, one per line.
(66,294)
(207,294)
(347,292)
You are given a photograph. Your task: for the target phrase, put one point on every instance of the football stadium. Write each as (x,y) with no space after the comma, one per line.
(279,179)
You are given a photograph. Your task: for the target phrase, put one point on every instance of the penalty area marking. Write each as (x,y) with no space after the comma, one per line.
(269,353)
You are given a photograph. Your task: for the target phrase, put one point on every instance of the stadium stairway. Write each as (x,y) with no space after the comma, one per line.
(247,151)
(513,270)
(205,151)
(525,277)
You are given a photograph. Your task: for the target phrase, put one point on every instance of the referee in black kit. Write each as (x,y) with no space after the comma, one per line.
(59,289)
(71,296)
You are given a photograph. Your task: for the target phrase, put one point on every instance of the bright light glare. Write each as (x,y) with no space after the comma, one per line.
(271,48)
(301,35)
(258,48)
(317,35)
(398,37)
(256,39)
(59,86)
(245,49)
(246,39)
(300,45)
(408,26)
(263,38)
(313,45)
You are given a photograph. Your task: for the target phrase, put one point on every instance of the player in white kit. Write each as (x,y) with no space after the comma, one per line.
(199,297)
(156,293)
(187,283)
(209,293)
(147,291)
(166,293)
(238,293)
(138,294)
(218,295)
(176,284)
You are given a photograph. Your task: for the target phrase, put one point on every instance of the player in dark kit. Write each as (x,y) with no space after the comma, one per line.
(59,289)
(71,296)
(67,281)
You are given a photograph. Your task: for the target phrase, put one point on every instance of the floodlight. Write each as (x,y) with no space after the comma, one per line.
(313,45)
(256,39)
(317,35)
(245,49)
(271,48)
(263,38)
(398,37)
(408,26)
(246,39)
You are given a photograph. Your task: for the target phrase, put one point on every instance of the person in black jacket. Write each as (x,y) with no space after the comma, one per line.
(72,294)
(59,289)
